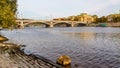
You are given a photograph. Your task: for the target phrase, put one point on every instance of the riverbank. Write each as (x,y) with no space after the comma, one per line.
(11,56)
(109,24)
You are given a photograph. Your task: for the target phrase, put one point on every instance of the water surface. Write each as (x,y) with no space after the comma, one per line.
(88,47)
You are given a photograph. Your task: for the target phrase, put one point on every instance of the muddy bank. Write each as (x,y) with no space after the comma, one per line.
(12,56)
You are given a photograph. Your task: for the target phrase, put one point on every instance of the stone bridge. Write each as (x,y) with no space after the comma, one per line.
(49,23)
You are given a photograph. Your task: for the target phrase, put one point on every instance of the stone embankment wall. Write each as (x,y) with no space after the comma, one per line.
(109,24)
(112,24)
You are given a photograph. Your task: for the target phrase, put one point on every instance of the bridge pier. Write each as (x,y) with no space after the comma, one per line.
(21,25)
(51,25)
(72,25)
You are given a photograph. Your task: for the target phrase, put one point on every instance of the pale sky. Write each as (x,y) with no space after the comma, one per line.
(46,9)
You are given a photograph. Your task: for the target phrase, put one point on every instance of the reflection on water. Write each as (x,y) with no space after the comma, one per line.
(83,35)
(88,47)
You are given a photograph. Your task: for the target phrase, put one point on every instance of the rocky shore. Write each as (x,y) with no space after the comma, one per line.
(11,56)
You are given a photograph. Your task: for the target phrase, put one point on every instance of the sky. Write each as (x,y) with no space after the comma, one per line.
(49,9)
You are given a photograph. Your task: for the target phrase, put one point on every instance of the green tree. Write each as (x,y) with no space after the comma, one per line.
(8,9)
(95,18)
(102,19)
(116,18)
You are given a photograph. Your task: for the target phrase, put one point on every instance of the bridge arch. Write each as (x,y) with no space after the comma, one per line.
(79,24)
(43,24)
(62,24)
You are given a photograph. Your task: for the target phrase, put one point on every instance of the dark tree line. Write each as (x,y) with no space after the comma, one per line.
(8,9)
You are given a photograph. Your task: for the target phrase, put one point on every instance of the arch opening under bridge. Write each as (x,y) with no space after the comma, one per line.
(62,24)
(79,24)
(41,24)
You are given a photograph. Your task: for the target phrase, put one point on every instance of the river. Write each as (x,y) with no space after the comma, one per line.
(88,47)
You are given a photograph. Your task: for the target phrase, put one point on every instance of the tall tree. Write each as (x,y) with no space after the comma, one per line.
(102,19)
(95,17)
(8,9)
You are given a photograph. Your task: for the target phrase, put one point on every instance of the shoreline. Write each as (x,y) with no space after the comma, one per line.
(107,24)
(12,55)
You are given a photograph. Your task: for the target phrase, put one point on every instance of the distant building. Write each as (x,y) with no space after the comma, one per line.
(84,17)
(60,19)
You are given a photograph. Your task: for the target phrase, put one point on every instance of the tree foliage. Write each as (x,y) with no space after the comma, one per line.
(114,17)
(84,17)
(102,19)
(95,17)
(8,9)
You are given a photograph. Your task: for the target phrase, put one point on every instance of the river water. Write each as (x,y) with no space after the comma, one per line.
(88,47)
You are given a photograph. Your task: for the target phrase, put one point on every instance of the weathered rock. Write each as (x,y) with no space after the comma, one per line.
(64,60)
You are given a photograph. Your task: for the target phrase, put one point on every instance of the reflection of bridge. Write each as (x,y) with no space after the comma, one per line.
(49,23)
